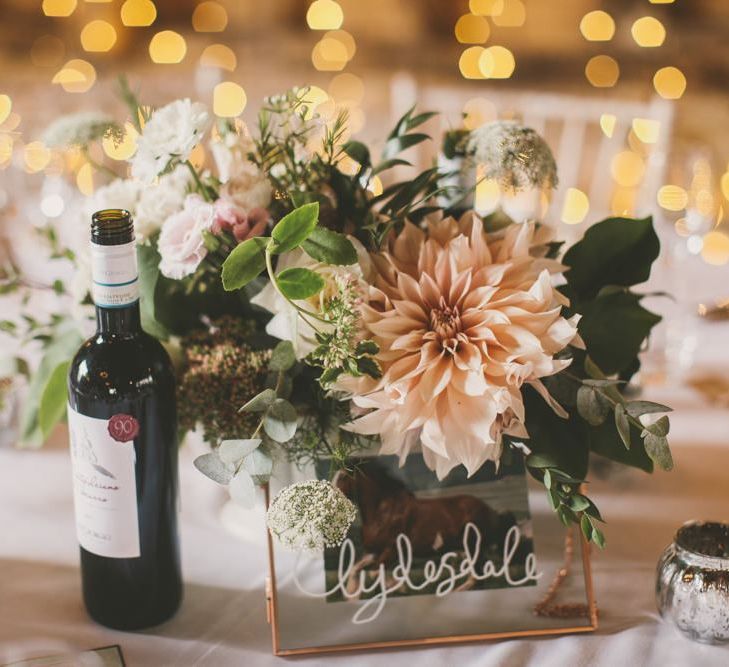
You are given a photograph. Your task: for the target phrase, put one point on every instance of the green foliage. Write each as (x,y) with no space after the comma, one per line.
(245,263)
(294,228)
(616,251)
(299,283)
(280,420)
(283,357)
(54,398)
(148,264)
(329,247)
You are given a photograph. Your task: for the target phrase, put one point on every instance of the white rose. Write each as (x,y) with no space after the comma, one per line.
(248,188)
(181,245)
(159,202)
(230,154)
(171,133)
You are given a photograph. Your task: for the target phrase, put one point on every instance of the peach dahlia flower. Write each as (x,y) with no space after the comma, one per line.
(463,321)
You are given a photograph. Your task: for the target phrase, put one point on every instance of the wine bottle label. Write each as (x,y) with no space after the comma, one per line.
(104,484)
(114,274)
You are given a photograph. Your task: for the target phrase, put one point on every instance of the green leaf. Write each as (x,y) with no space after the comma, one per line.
(299,283)
(622,424)
(294,228)
(616,251)
(369,366)
(211,466)
(366,347)
(578,503)
(329,247)
(592,407)
(389,164)
(246,261)
(638,408)
(54,399)
(148,264)
(656,447)
(260,402)
(58,287)
(283,357)
(540,461)
(660,427)
(259,466)
(280,421)
(614,328)
(547,479)
(60,349)
(597,536)
(605,441)
(586,526)
(401,143)
(358,152)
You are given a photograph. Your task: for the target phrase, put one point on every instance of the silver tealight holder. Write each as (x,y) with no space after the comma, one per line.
(692,583)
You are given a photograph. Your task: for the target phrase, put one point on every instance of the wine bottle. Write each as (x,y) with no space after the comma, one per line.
(123,439)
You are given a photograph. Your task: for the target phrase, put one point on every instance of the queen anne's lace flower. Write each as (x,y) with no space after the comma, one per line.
(463,320)
(310,516)
(514,155)
(169,135)
(80,129)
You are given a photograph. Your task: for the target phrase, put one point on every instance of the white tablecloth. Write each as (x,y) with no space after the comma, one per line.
(222,620)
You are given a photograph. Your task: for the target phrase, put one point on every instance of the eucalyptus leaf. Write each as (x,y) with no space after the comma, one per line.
(657,448)
(280,421)
(294,228)
(244,263)
(233,451)
(660,427)
(54,399)
(329,247)
(213,467)
(592,407)
(283,358)
(622,424)
(259,466)
(260,402)
(299,283)
(242,489)
(638,408)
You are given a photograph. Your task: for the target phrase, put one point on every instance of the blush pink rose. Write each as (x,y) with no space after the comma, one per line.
(234,219)
(181,245)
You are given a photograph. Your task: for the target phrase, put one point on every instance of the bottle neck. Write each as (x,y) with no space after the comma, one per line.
(121,320)
(115,287)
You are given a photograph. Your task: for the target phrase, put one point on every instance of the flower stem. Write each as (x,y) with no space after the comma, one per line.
(204,190)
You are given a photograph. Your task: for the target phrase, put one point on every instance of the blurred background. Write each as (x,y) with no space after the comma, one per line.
(630,94)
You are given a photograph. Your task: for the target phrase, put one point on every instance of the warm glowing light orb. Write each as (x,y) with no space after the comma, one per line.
(125,148)
(85,179)
(496,62)
(346,39)
(324,15)
(52,205)
(648,32)
(229,99)
(59,7)
(607,124)
(138,13)
(76,76)
(347,88)
(98,36)
(715,248)
(512,14)
(167,47)
(672,197)
(602,71)
(646,129)
(36,156)
(597,26)
(329,55)
(468,63)
(472,29)
(576,206)
(669,82)
(209,16)
(627,169)
(6,106)
(486,7)
(219,55)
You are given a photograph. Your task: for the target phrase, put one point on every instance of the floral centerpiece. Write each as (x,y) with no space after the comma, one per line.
(313,319)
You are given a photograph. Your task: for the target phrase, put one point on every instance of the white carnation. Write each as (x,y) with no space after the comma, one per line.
(248,188)
(159,202)
(170,134)
(121,193)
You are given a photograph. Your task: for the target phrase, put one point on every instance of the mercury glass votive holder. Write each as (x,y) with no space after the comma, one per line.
(692,582)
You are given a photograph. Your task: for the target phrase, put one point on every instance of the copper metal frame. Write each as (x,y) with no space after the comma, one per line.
(272,618)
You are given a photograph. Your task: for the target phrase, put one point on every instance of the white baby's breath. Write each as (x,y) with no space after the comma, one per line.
(514,155)
(80,129)
(310,516)
(169,136)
